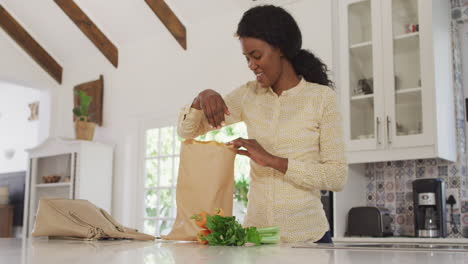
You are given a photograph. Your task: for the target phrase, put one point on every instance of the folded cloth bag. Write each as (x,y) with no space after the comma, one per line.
(79,219)
(205,182)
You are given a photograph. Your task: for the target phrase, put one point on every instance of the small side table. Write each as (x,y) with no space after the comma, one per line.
(6,220)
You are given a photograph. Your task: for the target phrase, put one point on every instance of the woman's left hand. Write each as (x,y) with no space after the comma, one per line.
(254,150)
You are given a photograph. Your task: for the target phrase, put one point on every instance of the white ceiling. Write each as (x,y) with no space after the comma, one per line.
(123,21)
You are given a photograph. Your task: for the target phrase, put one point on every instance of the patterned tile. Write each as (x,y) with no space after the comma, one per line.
(399,186)
(399,164)
(430,162)
(390,197)
(379,175)
(391,207)
(370,198)
(410,172)
(453,170)
(431,172)
(410,208)
(464,219)
(388,164)
(454,182)
(389,174)
(409,219)
(420,172)
(464,207)
(389,186)
(400,196)
(400,219)
(380,187)
(409,197)
(399,173)
(456,219)
(380,198)
(410,164)
(409,185)
(443,171)
(369,173)
(399,231)
(370,166)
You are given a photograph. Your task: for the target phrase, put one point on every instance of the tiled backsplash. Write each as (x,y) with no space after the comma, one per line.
(389,185)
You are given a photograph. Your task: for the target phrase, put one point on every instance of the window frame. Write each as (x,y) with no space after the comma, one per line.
(143,127)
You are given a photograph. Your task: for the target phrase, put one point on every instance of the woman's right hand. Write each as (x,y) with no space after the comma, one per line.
(213,106)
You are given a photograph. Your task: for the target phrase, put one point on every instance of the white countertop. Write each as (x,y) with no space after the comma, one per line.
(41,251)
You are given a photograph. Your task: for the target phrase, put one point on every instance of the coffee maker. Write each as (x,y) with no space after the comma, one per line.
(429,208)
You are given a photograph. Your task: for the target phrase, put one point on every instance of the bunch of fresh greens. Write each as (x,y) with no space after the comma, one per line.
(226,231)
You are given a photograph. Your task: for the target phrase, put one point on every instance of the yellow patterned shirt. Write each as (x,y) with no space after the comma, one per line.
(302,124)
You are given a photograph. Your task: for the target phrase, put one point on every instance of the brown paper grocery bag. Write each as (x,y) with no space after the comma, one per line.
(205,182)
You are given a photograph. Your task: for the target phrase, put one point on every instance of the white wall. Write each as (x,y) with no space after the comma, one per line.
(155,77)
(16,132)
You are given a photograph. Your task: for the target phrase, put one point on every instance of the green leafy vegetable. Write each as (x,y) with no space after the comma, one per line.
(226,231)
(81,111)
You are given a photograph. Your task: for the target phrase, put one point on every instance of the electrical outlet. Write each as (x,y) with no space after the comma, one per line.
(456,195)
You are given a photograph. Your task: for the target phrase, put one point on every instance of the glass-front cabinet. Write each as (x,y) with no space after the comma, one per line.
(395,79)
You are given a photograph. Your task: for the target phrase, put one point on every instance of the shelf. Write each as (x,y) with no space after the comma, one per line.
(361,45)
(406,36)
(406,43)
(409,90)
(361,97)
(50,185)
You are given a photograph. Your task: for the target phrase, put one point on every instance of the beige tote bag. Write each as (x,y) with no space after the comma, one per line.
(205,182)
(79,219)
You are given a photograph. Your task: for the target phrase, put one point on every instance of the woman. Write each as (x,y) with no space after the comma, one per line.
(295,146)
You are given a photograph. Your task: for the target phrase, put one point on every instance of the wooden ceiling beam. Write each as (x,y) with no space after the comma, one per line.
(27,42)
(87,26)
(170,20)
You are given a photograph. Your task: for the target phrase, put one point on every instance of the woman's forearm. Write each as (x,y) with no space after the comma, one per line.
(279,164)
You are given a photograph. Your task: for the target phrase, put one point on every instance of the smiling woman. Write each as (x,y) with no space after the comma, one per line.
(295,140)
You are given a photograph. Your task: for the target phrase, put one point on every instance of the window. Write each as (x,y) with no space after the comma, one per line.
(161,170)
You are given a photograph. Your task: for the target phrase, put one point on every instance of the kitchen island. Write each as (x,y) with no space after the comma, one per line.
(43,251)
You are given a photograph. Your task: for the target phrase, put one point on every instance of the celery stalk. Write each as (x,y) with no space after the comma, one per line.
(269,235)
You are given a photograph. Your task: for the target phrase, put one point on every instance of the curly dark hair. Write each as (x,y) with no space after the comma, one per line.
(278,28)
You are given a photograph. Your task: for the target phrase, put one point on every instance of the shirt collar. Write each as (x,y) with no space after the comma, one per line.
(290,92)
(296,89)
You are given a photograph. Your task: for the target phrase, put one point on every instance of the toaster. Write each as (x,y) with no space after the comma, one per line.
(369,221)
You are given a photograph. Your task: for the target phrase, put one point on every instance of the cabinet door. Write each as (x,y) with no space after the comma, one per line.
(408,109)
(361,79)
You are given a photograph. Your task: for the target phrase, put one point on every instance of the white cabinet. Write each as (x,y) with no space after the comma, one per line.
(84,168)
(396,79)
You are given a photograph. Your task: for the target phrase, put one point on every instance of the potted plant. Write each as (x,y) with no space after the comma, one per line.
(83,128)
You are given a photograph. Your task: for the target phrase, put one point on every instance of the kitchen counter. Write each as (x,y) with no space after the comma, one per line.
(42,251)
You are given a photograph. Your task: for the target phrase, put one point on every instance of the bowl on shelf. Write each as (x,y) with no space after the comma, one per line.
(51,178)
